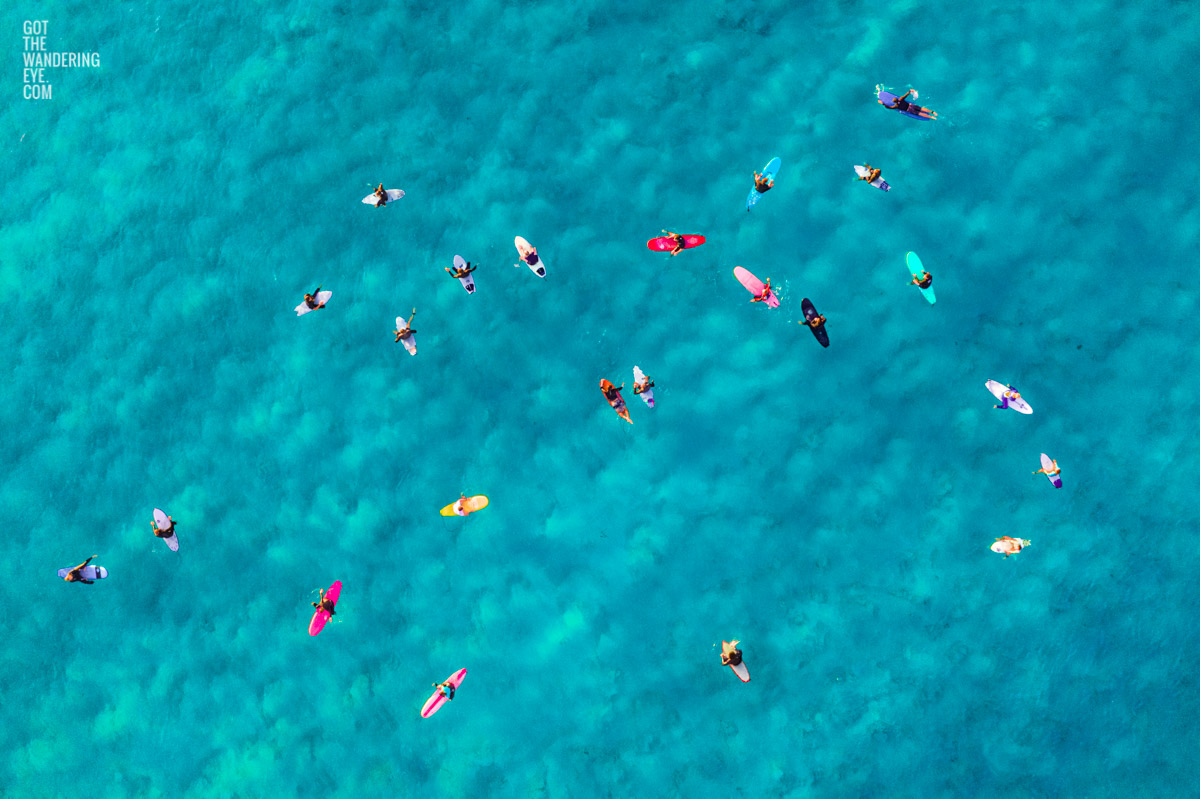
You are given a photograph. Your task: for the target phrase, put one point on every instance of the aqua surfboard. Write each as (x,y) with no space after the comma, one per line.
(768,173)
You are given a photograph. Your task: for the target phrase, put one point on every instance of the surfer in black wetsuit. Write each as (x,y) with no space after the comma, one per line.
(761,184)
(924,281)
(530,257)
(456,272)
(816,323)
(75,575)
(381,196)
(638,388)
(677,238)
(326,604)
(311,299)
(445,689)
(902,104)
(730,654)
(170,531)
(407,330)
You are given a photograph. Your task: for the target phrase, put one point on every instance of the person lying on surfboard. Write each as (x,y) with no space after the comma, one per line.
(74,576)
(170,531)
(326,604)
(530,257)
(380,195)
(1011,394)
(816,323)
(407,331)
(761,184)
(456,272)
(459,510)
(871,173)
(730,654)
(1009,546)
(1053,471)
(611,392)
(924,281)
(645,385)
(678,241)
(902,104)
(765,294)
(445,689)
(311,299)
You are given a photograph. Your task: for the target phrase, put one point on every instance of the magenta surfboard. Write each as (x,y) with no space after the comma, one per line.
(666,244)
(435,702)
(322,616)
(755,286)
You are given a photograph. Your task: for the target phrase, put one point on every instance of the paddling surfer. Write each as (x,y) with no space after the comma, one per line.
(76,575)
(730,654)
(381,197)
(1053,471)
(761,184)
(311,300)
(765,294)
(1011,394)
(1009,546)
(924,281)
(871,175)
(326,604)
(463,271)
(167,533)
(407,330)
(645,385)
(677,238)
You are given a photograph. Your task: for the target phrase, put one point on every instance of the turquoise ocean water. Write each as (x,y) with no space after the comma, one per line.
(832,509)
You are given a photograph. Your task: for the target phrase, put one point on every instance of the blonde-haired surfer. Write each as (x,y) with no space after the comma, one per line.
(730,654)
(1053,471)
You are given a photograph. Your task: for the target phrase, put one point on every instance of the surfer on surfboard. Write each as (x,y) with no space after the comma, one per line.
(74,576)
(326,604)
(924,281)
(530,257)
(460,272)
(677,238)
(765,294)
(445,689)
(1053,471)
(761,184)
(380,195)
(167,533)
(407,330)
(816,323)
(871,175)
(611,392)
(1011,394)
(902,105)
(730,654)
(1009,546)
(638,388)
(311,299)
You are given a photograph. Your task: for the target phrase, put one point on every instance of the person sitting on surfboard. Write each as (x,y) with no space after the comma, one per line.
(445,689)
(311,299)
(326,604)
(1011,394)
(1053,471)
(407,331)
(645,385)
(678,239)
(75,576)
(381,196)
(765,294)
(170,531)
(1009,546)
(730,654)
(901,104)
(530,257)
(924,281)
(816,322)
(761,184)
(872,174)
(459,510)
(456,272)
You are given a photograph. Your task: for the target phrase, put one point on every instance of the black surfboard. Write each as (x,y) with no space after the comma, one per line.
(810,313)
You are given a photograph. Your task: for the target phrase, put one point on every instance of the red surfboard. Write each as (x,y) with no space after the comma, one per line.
(666,243)
(321,616)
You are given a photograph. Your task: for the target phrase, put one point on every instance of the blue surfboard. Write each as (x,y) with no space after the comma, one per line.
(769,172)
(916,269)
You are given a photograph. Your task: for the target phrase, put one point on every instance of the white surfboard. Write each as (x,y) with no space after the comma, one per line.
(741,671)
(392,194)
(161,522)
(321,298)
(468,282)
(647,395)
(409,343)
(524,248)
(878,182)
(998,389)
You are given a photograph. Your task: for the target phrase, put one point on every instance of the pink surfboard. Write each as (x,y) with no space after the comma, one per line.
(435,702)
(755,286)
(322,616)
(665,244)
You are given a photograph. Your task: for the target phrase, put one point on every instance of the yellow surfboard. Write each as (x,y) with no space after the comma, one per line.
(470,505)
